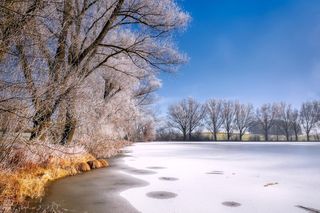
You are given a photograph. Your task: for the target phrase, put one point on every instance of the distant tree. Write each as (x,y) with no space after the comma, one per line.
(309,116)
(196,113)
(286,118)
(186,116)
(266,116)
(228,116)
(296,127)
(178,117)
(243,117)
(214,119)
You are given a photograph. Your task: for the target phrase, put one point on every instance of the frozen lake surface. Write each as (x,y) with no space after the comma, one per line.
(199,177)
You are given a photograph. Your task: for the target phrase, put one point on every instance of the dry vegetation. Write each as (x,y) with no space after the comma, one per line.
(28,168)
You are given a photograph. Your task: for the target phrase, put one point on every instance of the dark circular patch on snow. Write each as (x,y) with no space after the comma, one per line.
(231,204)
(161,195)
(141,172)
(156,167)
(215,173)
(168,178)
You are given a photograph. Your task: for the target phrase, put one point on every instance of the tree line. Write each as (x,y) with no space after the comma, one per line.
(188,119)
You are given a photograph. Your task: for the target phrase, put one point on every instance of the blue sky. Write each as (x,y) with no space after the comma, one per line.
(254,51)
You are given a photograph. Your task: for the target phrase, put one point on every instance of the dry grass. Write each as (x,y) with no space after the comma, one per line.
(30,181)
(30,167)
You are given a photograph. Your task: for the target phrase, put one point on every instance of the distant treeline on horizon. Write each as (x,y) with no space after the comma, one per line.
(229,120)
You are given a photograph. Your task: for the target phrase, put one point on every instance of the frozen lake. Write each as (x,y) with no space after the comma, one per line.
(199,177)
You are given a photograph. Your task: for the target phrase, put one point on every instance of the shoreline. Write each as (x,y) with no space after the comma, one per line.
(29,180)
(108,183)
(136,180)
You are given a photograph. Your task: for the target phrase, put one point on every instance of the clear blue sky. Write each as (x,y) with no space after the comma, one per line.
(254,51)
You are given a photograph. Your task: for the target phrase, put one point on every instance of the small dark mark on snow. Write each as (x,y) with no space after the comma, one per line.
(161,195)
(140,171)
(215,173)
(156,167)
(168,178)
(231,204)
(311,210)
(271,184)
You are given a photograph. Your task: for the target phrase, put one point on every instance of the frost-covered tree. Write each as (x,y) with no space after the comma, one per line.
(186,116)
(296,127)
(196,113)
(243,117)
(309,116)
(68,41)
(287,120)
(178,117)
(266,116)
(214,119)
(228,116)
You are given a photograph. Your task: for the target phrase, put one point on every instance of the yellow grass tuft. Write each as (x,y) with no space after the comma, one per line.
(103,162)
(94,164)
(83,167)
(30,181)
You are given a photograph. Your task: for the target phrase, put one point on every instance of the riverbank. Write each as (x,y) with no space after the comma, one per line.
(95,191)
(29,168)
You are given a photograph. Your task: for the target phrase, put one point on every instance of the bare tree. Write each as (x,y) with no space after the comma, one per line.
(186,116)
(296,127)
(196,113)
(178,117)
(309,116)
(243,118)
(228,116)
(286,119)
(214,116)
(266,115)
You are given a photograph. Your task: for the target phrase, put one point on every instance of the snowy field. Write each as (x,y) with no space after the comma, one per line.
(224,177)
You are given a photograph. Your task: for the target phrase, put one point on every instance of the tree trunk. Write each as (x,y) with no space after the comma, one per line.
(69,124)
(240,135)
(308,136)
(184,132)
(266,136)
(287,136)
(69,129)
(297,137)
(40,121)
(215,136)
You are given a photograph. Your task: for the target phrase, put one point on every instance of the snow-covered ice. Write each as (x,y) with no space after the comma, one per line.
(261,177)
